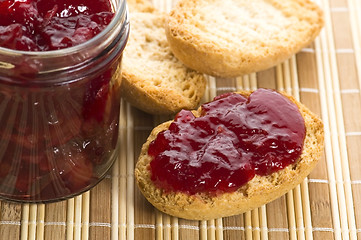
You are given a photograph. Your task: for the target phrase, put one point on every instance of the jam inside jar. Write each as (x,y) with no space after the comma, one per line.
(59,96)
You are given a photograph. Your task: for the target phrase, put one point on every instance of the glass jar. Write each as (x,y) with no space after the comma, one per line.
(59,115)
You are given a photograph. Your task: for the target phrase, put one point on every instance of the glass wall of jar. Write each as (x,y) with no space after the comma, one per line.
(59,115)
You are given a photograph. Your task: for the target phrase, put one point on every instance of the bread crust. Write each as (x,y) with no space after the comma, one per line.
(231,38)
(258,191)
(153,79)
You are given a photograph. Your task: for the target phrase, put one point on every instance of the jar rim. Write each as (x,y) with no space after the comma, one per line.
(120,10)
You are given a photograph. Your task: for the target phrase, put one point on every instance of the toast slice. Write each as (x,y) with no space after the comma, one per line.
(256,192)
(153,79)
(230,38)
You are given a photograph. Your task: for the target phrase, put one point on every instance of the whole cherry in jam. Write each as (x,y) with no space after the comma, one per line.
(235,138)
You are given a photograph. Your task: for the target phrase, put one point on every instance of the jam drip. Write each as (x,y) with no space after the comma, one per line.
(234,139)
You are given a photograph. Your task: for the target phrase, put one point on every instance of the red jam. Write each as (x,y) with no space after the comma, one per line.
(43,25)
(58,137)
(234,139)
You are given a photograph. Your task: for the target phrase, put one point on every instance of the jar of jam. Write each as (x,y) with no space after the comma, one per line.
(59,95)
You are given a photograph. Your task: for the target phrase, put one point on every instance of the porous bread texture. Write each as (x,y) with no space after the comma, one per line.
(258,191)
(153,79)
(140,6)
(230,38)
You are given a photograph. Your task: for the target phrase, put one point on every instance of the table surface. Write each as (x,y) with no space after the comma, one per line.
(325,76)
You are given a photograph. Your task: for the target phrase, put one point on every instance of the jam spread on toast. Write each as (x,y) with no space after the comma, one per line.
(235,138)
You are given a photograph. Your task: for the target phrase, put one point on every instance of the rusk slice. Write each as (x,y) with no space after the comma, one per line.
(258,191)
(154,80)
(230,38)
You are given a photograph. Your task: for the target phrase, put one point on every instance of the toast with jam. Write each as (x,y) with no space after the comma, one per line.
(233,154)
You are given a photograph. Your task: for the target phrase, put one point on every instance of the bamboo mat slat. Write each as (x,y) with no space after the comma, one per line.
(325,76)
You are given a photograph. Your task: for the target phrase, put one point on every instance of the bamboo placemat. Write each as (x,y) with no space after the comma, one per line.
(325,76)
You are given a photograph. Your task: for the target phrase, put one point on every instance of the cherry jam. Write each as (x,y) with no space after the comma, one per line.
(43,25)
(59,95)
(235,138)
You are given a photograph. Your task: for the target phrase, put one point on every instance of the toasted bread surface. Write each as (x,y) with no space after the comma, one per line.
(140,6)
(258,191)
(230,38)
(153,79)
